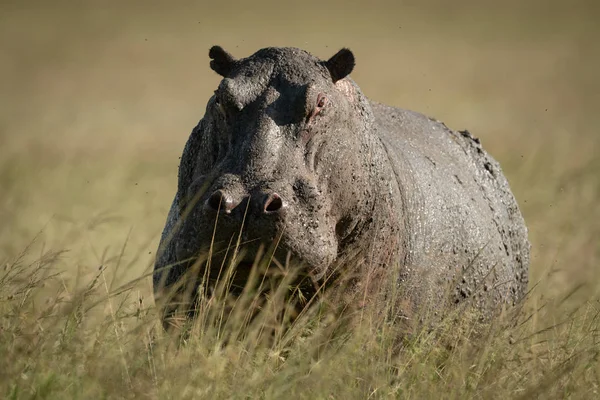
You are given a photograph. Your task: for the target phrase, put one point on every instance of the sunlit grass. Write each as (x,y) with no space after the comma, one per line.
(94,342)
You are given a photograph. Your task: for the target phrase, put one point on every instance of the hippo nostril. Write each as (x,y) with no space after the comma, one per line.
(273,203)
(219,201)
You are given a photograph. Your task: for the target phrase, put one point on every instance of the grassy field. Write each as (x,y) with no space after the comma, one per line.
(96,102)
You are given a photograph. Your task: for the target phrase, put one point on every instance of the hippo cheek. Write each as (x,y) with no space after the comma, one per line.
(309,246)
(292,239)
(187,246)
(197,235)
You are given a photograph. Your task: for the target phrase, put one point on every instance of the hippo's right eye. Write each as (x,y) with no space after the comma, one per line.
(219,103)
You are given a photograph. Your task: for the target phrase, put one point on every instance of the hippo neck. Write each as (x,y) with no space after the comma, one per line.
(377,233)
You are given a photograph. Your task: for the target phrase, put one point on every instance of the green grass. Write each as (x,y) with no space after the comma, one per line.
(96,104)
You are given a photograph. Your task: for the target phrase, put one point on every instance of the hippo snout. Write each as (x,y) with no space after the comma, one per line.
(261,203)
(230,215)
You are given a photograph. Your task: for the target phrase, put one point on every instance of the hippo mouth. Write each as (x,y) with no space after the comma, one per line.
(233,266)
(255,268)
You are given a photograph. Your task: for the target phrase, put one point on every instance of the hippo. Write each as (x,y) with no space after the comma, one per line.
(290,151)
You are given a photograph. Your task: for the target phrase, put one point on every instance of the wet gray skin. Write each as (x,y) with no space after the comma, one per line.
(290,150)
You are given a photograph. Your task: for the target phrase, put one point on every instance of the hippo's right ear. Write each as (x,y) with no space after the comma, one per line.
(340,65)
(222,62)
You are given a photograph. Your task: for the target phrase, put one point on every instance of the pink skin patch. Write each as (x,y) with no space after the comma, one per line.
(344,86)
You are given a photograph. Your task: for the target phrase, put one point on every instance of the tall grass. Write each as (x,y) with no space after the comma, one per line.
(101,343)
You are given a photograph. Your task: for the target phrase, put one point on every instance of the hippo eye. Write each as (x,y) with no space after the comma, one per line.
(321,101)
(219,103)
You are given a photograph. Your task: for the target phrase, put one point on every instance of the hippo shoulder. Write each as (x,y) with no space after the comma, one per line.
(401,125)
(402,118)
(458,206)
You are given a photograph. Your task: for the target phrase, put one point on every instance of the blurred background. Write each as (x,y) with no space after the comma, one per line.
(97,99)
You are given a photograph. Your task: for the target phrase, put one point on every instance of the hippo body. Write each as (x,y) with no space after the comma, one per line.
(290,151)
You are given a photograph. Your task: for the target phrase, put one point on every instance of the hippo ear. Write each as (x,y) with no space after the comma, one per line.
(222,62)
(340,65)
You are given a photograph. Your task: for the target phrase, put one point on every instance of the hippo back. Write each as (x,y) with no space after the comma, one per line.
(462,224)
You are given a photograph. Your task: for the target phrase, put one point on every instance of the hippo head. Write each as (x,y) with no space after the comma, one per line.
(282,155)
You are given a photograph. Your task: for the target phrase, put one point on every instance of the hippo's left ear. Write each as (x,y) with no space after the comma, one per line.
(340,65)
(222,62)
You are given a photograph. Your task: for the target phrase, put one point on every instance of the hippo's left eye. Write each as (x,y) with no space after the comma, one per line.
(321,101)
(321,104)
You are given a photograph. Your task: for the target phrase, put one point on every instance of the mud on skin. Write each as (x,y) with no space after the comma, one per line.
(290,150)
